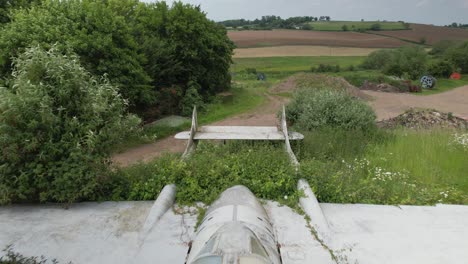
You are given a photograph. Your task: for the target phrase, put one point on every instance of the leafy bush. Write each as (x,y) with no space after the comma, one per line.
(376,27)
(439,48)
(326,68)
(409,62)
(192,98)
(458,55)
(442,69)
(317,108)
(57,126)
(378,59)
(143,48)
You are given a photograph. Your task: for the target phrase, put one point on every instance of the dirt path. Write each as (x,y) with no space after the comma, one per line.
(388,105)
(265,115)
(285,51)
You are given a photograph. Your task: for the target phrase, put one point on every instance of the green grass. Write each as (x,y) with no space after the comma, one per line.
(385,167)
(429,157)
(290,65)
(444,85)
(358,25)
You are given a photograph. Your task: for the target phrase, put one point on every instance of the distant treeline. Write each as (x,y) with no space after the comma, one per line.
(458,25)
(271,22)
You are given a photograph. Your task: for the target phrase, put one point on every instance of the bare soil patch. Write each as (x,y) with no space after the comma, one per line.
(432,34)
(390,105)
(288,51)
(267,38)
(380,87)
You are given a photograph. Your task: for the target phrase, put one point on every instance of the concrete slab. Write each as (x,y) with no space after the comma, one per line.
(368,234)
(95,233)
(110,232)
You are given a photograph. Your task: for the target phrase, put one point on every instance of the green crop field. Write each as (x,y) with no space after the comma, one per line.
(291,64)
(355,25)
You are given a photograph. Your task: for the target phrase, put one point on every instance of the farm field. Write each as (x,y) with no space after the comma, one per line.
(288,65)
(291,51)
(432,34)
(268,38)
(355,25)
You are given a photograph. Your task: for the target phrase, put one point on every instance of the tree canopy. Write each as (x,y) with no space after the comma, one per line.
(147,50)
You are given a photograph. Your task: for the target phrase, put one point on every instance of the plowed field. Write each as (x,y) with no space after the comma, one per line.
(432,34)
(266,38)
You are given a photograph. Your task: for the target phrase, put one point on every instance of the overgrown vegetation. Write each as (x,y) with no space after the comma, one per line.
(313,108)
(162,58)
(342,164)
(57,126)
(263,167)
(408,62)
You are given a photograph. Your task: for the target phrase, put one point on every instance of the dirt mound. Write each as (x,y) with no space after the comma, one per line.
(285,87)
(380,87)
(425,118)
(318,81)
(323,81)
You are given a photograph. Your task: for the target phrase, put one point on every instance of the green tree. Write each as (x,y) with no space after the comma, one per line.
(378,59)
(7,6)
(101,37)
(410,61)
(345,28)
(144,48)
(458,55)
(58,124)
(441,69)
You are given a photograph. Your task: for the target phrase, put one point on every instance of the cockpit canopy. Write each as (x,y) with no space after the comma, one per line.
(233,243)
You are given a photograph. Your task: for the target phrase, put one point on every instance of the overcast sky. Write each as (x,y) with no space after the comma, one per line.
(438,12)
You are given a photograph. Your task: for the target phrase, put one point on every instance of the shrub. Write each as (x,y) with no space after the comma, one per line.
(410,61)
(441,69)
(458,55)
(376,27)
(378,59)
(251,71)
(326,68)
(192,98)
(57,126)
(423,40)
(439,48)
(318,108)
